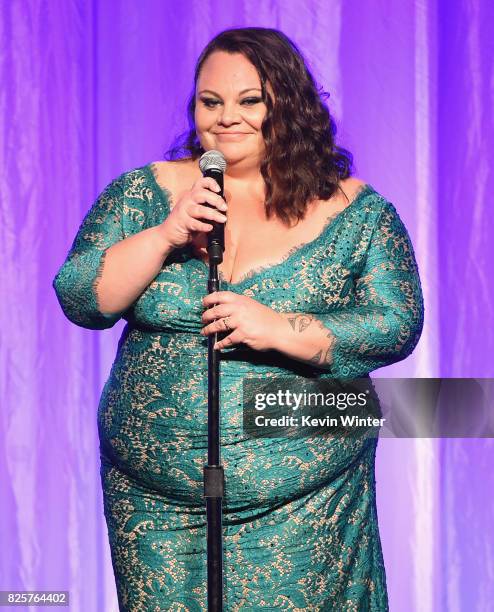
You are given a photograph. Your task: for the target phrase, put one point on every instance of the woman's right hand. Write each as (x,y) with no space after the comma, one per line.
(184,221)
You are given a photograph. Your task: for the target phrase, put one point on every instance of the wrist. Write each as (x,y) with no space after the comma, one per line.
(278,331)
(163,244)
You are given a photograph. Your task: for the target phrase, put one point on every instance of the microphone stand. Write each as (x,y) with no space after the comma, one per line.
(213,470)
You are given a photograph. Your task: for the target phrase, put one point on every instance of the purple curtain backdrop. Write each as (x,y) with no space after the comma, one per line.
(91,89)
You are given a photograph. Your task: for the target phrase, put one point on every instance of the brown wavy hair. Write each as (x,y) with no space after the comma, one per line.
(302,161)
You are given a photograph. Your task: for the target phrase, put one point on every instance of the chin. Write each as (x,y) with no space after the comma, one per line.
(236,154)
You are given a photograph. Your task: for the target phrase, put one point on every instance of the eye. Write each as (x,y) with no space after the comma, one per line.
(251,101)
(212,102)
(209,102)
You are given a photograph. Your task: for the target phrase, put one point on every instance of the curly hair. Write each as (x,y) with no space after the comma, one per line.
(301,161)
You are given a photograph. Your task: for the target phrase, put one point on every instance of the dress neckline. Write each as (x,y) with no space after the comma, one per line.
(295,250)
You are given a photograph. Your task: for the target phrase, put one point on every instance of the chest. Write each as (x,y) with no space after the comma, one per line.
(316,276)
(253,242)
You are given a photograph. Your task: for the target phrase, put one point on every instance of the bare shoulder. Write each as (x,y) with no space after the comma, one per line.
(349,188)
(173,170)
(351,185)
(175,176)
(353,181)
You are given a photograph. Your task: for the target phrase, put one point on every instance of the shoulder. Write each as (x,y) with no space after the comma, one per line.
(354,188)
(127,184)
(172,174)
(377,210)
(368,206)
(166,172)
(140,183)
(351,185)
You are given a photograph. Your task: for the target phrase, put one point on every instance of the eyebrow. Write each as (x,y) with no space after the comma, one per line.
(242,92)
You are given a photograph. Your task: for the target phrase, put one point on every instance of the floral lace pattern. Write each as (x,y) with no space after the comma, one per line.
(299,515)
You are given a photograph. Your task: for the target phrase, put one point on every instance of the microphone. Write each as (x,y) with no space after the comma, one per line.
(213,164)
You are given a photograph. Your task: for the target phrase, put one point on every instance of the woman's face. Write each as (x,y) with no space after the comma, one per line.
(229,108)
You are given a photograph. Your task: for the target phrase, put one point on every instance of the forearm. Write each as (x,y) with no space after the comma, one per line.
(128,268)
(305,338)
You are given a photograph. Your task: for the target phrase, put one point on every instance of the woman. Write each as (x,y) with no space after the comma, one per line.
(319,280)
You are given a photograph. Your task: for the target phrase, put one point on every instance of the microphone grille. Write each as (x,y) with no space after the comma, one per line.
(212,160)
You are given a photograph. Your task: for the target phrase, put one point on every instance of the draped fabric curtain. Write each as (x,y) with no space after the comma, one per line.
(91,89)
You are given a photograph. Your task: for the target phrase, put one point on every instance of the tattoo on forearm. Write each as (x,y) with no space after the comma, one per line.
(316,358)
(328,358)
(300,322)
(322,358)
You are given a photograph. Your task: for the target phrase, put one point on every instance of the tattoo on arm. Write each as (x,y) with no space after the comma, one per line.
(316,358)
(328,358)
(300,322)
(322,358)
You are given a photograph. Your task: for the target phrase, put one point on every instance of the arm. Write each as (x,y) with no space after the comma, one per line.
(104,272)
(384,324)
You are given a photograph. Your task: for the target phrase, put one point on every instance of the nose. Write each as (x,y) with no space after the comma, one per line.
(229,115)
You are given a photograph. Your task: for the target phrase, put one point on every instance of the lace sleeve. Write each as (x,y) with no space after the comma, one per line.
(385,323)
(76,281)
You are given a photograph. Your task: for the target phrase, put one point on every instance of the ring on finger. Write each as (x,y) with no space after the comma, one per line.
(225,323)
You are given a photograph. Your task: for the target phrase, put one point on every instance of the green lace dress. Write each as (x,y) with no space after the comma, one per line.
(300,519)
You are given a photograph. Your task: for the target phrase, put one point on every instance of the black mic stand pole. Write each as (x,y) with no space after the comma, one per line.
(213,470)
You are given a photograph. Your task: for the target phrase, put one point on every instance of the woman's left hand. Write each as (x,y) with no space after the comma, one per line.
(248,321)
